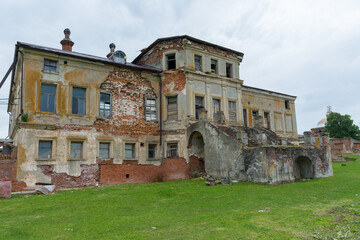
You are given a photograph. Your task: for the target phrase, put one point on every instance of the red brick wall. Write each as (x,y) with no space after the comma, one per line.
(197,165)
(171,169)
(8,173)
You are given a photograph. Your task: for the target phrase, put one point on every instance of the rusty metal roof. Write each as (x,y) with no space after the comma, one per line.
(88,57)
(267,91)
(159,40)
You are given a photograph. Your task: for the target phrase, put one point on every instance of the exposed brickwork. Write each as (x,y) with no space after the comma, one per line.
(171,169)
(197,165)
(89,176)
(8,173)
(175,80)
(340,146)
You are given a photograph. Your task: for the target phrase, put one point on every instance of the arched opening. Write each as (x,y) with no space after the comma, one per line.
(196,154)
(303,168)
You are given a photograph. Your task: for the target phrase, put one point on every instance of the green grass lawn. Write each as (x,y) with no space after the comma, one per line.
(324,208)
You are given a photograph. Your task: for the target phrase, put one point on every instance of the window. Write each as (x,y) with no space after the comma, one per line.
(152,151)
(45,150)
(245,117)
(79,101)
(214,66)
(255,113)
(129,150)
(172,108)
(50,65)
(229,70)
(105,105)
(198,63)
(104,150)
(47,100)
(76,150)
(287,104)
(216,107)
(150,109)
(232,111)
(172,150)
(199,105)
(266,120)
(170,61)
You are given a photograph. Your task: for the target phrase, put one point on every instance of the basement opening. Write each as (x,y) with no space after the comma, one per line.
(303,168)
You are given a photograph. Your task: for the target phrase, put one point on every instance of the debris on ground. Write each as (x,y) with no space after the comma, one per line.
(45,189)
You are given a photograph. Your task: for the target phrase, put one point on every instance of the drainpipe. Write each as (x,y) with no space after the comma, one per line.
(160,89)
(22,83)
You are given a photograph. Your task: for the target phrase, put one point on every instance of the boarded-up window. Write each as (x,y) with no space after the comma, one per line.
(150,109)
(245,115)
(172,108)
(45,150)
(172,150)
(267,120)
(232,111)
(170,61)
(199,105)
(105,105)
(76,150)
(216,108)
(104,150)
(48,101)
(198,63)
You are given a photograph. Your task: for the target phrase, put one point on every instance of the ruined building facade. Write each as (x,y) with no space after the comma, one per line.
(178,109)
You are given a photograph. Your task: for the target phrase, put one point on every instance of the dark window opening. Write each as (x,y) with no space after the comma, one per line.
(172,150)
(152,151)
(48,98)
(130,150)
(254,113)
(171,61)
(199,106)
(104,150)
(127,175)
(287,104)
(198,63)
(150,109)
(245,117)
(214,66)
(45,150)
(229,70)
(105,105)
(216,108)
(50,65)
(172,108)
(232,111)
(267,120)
(79,101)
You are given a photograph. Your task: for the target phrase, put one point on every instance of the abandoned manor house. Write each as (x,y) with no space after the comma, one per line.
(179,109)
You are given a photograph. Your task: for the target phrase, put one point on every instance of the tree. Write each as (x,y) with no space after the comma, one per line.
(339,126)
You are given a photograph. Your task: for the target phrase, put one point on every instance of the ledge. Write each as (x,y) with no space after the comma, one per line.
(76,159)
(44,159)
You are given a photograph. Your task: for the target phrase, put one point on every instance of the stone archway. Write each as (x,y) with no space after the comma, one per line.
(303,168)
(196,154)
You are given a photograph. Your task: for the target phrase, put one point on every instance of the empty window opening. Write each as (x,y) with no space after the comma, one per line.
(303,168)
(214,66)
(267,120)
(45,150)
(129,150)
(171,61)
(216,108)
(287,104)
(48,98)
(79,101)
(232,111)
(76,150)
(127,175)
(198,62)
(255,113)
(245,115)
(152,151)
(229,70)
(172,150)
(104,150)
(105,105)
(199,106)
(50,65)
(150,109)
(172,108)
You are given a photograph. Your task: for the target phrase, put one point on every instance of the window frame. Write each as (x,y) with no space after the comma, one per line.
(287,104)
(72,100)
(110,110)
(47,67)
(169,150)
(133,150)
(216,70)
(151,112)
(82,156)
(167,107)
(51,149)
(229,70)
(197,109)
(213,106)
(167,62)
(155,151)
(108,149)
(233,112)
(47,96)
(200,58)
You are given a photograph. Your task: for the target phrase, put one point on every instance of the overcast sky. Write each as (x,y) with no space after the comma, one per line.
(307,48)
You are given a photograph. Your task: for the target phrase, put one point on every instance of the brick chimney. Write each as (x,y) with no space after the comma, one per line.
(66,42)
(112,50)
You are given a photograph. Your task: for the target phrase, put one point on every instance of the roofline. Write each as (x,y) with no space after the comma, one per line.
(159,40)
(87,57)
(268,91)
(13,74)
